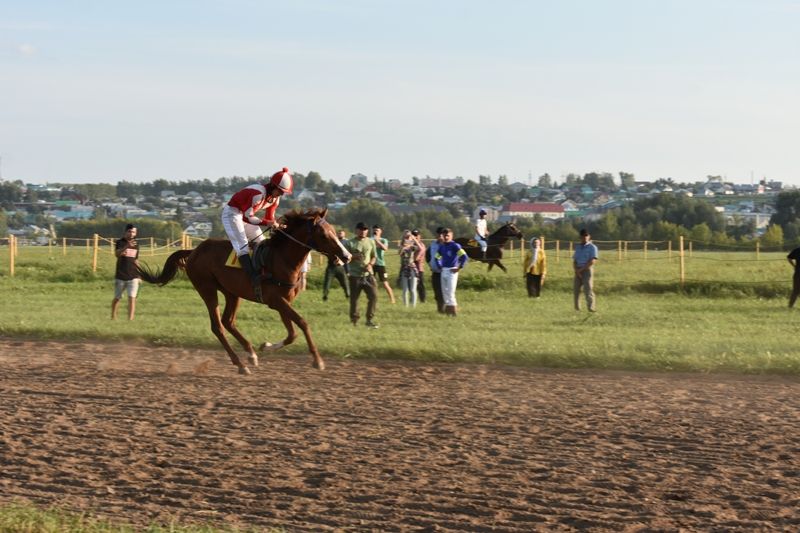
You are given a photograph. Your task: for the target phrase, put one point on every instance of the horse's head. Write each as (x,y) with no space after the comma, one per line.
(312,230)
(510,230)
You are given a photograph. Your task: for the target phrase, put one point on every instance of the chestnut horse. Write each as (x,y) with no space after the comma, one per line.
(494,251)
(289,246)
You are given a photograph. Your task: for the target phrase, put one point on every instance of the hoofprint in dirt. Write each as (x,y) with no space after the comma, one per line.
(142,434)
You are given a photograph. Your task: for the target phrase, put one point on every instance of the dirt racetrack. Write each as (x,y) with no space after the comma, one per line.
(142,434)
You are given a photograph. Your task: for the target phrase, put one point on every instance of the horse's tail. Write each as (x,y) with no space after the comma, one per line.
(175,262)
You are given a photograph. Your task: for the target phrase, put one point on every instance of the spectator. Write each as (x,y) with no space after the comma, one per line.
(361,274)
(794,260)
(382,245)
(436,272)
(451,258)
(409,274)
(336,269)
(583,261)
(535,268)
(303,281)
(126,276)
(420,262)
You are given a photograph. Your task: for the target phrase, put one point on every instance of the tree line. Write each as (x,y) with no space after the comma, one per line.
(656,218)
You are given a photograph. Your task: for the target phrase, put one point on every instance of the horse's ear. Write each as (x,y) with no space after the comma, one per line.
(324,213)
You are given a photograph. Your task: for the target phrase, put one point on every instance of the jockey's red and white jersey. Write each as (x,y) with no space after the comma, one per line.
(252,199)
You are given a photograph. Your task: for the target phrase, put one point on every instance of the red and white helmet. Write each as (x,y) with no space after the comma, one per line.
(283,180)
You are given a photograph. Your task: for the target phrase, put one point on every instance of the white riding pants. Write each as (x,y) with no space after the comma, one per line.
(238,232)
(482,241)
(449,282)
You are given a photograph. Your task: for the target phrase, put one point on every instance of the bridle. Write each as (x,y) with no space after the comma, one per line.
(311,245)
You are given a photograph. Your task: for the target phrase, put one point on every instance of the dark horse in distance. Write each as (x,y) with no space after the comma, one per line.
(206,267)
(496,241)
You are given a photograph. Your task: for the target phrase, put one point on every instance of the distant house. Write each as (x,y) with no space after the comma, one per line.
(529,210)
(199,229)
(75,212)
(358,181)
(306,194)
(441,183)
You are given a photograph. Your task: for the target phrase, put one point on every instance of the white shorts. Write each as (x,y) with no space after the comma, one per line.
(131,286)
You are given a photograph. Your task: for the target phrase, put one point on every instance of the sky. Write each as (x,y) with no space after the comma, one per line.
(102,91)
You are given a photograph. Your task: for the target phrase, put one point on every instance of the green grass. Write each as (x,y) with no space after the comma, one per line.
(730,316)
(24,518)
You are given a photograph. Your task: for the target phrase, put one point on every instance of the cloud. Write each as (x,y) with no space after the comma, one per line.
(26,49)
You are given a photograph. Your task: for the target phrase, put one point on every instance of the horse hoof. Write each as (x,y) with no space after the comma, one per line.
(244,371)
(319,365)
(253,359)
(269,347)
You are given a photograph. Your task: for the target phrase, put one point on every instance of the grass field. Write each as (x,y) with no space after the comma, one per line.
(23,518)
(730,316)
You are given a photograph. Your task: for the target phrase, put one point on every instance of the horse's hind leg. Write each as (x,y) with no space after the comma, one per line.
(211,299)
(229,323)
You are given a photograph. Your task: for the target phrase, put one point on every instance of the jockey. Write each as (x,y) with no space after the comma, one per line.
(482,232)
(242,225)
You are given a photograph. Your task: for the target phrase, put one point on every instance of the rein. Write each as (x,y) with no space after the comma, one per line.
(310,246)
(320,222)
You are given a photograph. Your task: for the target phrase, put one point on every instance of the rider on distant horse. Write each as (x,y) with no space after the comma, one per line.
(482,232)
(241,223)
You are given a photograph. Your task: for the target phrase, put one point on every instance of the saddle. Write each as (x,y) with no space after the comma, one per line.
(258,256)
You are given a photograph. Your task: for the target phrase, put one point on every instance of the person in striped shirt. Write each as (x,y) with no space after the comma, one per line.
(450,258)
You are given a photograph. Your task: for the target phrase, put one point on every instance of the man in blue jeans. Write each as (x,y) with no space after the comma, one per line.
(583,261)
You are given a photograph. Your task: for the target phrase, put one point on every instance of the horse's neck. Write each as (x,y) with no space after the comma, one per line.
(288,259)
(501,239)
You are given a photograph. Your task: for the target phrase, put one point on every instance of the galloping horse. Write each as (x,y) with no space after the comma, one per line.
(496,241)
(289,246)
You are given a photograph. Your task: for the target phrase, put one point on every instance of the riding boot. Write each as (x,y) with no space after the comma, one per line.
(255,277)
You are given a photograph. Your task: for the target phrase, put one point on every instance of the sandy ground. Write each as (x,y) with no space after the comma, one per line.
(143,434)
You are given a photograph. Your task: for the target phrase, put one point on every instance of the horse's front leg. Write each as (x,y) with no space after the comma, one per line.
(502,267)
(290,317)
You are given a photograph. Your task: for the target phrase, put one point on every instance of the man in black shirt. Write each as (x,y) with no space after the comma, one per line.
(794,260)
(126,278)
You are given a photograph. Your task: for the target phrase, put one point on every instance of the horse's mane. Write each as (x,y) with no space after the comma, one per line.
(291,220)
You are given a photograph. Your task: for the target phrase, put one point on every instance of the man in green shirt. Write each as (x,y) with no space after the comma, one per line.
(361,275)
